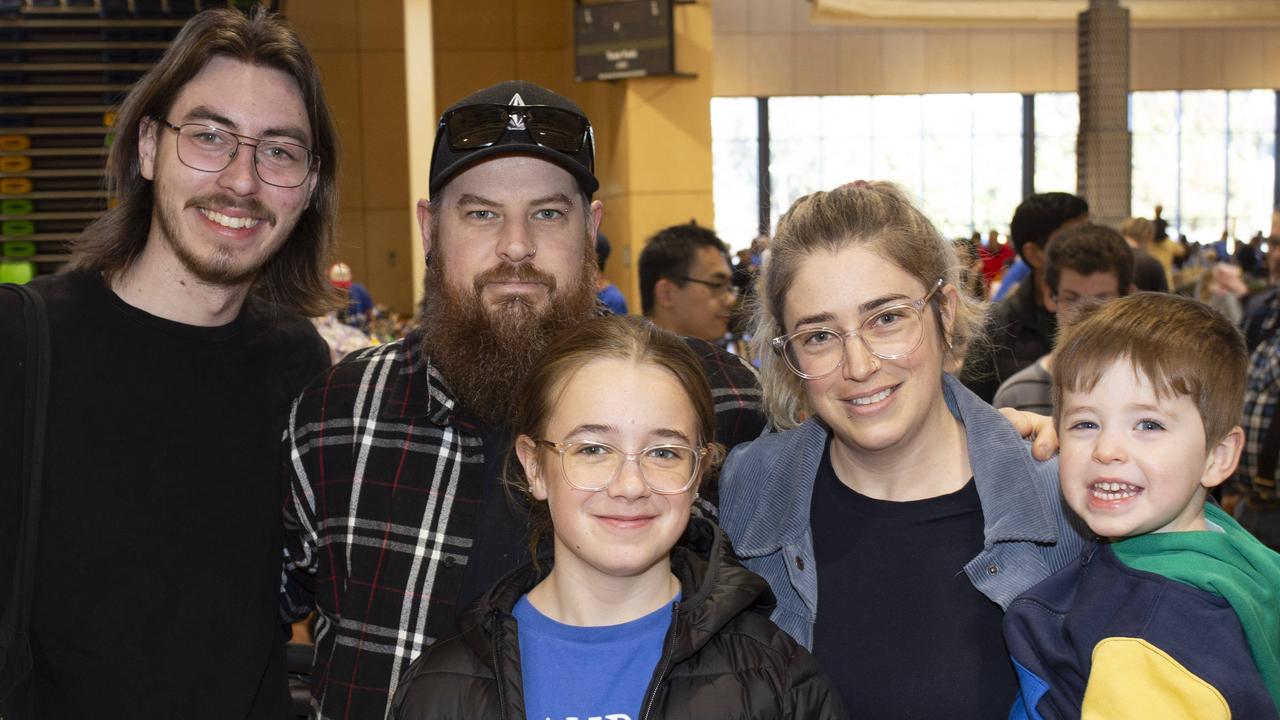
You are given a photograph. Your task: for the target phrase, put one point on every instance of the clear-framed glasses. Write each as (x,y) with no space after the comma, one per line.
(890,333)
(211,149)
(720,287)
(667,469)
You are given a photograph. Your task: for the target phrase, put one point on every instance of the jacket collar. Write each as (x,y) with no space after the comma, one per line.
(1013,506)
(715,588)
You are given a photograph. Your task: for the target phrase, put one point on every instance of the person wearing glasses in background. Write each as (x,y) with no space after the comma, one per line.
(686,282)
(398,517)
(177,339)
(641,611)
(898,514)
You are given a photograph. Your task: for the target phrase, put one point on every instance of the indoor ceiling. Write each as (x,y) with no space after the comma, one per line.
(1142,12)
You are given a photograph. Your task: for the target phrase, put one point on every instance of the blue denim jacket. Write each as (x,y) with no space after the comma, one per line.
(767,485)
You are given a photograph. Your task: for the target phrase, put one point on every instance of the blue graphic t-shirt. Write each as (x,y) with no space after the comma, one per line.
(588,673)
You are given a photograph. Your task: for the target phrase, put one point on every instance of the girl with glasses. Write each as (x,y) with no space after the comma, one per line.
(642,611)
(897,515)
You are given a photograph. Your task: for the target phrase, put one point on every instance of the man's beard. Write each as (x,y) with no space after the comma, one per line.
(485,354)
(220,269)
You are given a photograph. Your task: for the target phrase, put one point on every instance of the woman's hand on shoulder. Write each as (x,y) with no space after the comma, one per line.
(1037,428)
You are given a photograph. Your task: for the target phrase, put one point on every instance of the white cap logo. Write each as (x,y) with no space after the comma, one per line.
(516,121)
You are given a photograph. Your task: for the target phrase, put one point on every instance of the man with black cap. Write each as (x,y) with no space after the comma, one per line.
(397,517)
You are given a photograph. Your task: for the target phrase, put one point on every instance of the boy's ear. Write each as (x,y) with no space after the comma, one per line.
(1223,458)
(527,454)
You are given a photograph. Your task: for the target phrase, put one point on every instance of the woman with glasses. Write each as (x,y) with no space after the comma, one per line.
(642,613)
(898,514)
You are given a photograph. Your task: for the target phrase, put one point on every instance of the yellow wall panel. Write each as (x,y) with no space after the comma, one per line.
(770,59)
(946,61)
(553,69)
(903,66)
(730,65)
(389,235)
(1241,57)
(383,129)
(1271,61)
(729,17)
(325,24)
(340,72)
(1153,57)
(1202,61)
(543,24)
(352,248)
(1029,73)
(768,17)
(381,24)
(990,60)
(1066,61)
(817,61)
(473,25)
(861,63)
(461,72)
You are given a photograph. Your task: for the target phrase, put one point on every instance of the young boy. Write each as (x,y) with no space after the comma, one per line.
(1175,612)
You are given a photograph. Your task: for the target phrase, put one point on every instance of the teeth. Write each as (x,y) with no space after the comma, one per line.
(1114,490)
(227,221)
(873,398)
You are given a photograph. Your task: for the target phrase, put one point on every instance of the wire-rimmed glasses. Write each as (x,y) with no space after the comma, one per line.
(890,333)
(212,149)
(667,469)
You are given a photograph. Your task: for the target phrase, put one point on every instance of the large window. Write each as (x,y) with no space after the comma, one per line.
(735,168)
(1209,157)
(960,155)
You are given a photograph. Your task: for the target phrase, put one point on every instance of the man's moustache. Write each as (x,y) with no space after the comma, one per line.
(219,203)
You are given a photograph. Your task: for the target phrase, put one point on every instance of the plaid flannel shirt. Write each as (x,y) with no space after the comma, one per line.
(1261,397)
(385,490)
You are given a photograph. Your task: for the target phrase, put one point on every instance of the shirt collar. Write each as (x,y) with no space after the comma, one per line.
(418,390)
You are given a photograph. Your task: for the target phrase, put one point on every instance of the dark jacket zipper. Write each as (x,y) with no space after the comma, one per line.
(496,617)
(665,665)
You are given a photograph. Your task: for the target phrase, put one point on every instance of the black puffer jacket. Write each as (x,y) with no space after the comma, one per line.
(722,657)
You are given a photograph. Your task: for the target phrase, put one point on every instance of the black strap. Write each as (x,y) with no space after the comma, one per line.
(15,656)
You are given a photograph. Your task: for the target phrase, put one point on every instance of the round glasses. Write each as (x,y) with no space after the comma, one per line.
(890,333)
(593,466)
(210,149)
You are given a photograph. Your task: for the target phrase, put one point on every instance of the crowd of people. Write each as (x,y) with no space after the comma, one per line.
(527,506)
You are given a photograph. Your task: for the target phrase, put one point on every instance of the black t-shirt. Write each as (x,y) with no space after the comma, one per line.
(157,576)
(501,538)
(900,629)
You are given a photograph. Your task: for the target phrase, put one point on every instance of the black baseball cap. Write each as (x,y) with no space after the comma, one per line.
(514,117)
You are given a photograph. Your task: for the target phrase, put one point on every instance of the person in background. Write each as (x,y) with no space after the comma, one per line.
(1020,329)
(178,337)
(606,291)
(1175,611)
(1148,273)
(996,256)
(897,514)
(397,516)
(686,284)
(641,610)
(1086,262)
(360,308)
(1165,250)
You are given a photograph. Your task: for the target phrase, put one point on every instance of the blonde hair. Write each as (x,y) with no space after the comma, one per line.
(878,214)
(1140,229)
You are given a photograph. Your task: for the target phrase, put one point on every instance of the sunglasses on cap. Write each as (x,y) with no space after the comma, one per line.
(480,126)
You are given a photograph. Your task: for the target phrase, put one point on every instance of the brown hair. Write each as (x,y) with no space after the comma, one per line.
(1089,249)
(613,337)
(294,276)
(878,214)
(1183,347)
